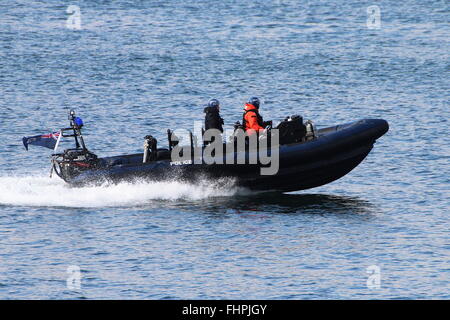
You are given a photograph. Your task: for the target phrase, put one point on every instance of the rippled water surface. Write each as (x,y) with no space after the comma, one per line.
(140,67)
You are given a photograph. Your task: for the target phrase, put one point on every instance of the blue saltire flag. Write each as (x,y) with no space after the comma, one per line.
(45,140)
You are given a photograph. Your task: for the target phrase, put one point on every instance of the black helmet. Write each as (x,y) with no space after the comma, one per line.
(254,101)
(214,103)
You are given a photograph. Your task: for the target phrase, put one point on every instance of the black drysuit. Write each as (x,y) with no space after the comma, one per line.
(213,120)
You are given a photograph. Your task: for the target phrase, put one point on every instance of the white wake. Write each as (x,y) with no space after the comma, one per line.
(43,191)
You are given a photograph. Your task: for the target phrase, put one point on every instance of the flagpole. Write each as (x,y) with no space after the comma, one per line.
(57,142)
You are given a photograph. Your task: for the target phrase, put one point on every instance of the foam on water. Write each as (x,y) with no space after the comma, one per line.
(44,191)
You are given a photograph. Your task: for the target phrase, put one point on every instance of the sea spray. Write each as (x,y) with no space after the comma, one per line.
(43,191)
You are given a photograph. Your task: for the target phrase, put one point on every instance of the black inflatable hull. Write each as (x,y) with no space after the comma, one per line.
(334,153)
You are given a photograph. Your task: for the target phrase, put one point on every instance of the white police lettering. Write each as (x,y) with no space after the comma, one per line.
(246,309)
(179,163)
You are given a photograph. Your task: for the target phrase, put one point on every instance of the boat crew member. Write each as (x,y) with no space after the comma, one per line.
(251,119)
(213,120)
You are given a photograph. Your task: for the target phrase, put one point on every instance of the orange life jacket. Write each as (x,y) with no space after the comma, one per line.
(251,119)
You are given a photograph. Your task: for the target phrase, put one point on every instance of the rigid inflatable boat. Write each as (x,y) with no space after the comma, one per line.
(307,158)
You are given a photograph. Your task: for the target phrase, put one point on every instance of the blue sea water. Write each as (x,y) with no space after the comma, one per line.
(139,67)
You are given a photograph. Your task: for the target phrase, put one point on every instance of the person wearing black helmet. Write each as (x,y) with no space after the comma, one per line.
(213,120)
(251,119)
